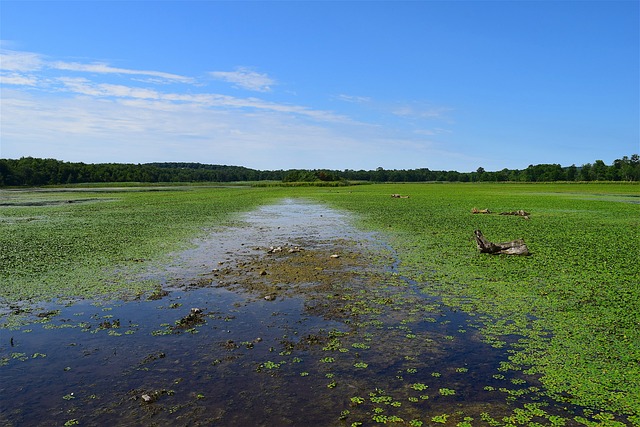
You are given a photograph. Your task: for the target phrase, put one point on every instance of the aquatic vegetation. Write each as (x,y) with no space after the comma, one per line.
(573,295)
(419,386)
(362,346)
(378,329)
(357,400)
(73,249)
(447,392)
(442,419)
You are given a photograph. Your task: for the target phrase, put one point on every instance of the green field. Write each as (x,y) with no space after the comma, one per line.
(574,303)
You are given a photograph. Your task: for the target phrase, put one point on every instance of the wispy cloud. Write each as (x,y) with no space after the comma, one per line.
(18,61)
(96,112)
(353,99)
(421,111)
(84,86)
(245,78)
(94,129)
(102,68)
(18,79)
(74,78)
(11,60)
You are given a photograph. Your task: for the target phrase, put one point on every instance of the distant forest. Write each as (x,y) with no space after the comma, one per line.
(29,171)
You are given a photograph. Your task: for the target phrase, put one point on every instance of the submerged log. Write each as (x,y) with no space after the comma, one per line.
(514,247)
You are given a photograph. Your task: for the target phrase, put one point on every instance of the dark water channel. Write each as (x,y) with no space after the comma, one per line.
(236,338)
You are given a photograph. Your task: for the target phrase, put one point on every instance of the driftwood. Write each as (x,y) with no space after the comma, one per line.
(480,211)
(514,247)
(520,212)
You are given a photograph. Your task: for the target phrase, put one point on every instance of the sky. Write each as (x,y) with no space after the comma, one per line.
(444,85)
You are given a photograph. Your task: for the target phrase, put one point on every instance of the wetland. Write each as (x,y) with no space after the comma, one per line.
(295,310)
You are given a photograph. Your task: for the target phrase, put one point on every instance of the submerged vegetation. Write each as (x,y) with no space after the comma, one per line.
(566,319)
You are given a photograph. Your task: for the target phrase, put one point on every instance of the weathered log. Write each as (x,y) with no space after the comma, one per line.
(514,247)
(480,211)
(520,212)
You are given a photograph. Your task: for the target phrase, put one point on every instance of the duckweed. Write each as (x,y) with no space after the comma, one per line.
(572,296)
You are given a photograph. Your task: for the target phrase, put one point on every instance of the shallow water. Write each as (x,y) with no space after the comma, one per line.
(339,340)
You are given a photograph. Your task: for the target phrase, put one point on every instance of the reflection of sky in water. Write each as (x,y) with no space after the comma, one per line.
(288,223)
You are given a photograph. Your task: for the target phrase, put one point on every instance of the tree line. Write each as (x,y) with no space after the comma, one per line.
(30,171)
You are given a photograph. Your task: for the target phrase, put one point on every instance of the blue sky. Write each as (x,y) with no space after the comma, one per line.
(449,85)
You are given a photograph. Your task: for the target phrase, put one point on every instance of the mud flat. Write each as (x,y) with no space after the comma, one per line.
(290,317)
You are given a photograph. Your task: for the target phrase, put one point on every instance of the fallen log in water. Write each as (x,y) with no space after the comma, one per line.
(514,247)
(520,212)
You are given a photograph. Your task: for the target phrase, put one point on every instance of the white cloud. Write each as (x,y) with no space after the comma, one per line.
(91,129)
(423,112)
(354,99)
(17,79)
(98,113)
(102,68)
(86,87)
(11,60)
(245,78)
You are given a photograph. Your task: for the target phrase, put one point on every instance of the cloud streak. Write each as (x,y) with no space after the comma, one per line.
(11,60)
(17,61)
(102,68)
(245,78)
(423,112)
